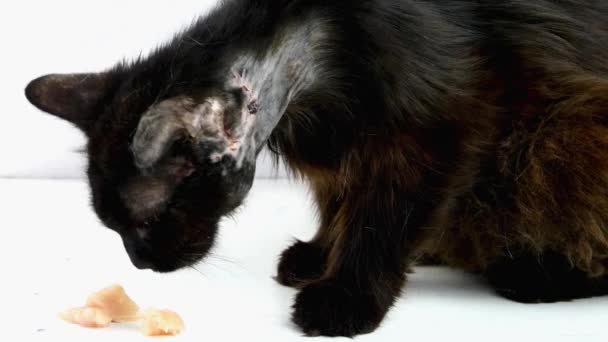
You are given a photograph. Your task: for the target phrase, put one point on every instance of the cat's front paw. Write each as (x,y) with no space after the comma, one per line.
(300,264)
(330,308)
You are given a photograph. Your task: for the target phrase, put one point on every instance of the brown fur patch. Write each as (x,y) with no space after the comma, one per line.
(556,164)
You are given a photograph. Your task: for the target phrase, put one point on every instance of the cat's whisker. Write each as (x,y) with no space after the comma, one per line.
(197,271)
(208,259)
(225,259)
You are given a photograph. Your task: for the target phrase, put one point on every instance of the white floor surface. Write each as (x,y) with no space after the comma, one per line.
(54,252)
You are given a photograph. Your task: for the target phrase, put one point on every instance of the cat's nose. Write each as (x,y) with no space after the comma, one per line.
(137,254)
(139,262)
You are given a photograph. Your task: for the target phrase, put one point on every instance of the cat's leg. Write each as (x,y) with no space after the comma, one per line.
(304,262)
(365,266)
(544,278)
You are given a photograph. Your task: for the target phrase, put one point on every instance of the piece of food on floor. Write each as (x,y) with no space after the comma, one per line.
(161,323)
(89,317)
(112,304)
(115,302)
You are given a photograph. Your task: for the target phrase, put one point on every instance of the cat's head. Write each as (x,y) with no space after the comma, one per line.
(150,180)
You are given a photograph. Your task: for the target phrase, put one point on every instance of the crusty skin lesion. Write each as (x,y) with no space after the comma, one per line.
(220,132)
(234,124)
(224,126)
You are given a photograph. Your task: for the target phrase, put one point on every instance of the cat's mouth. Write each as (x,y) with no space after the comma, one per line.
(146,257)
(169,243)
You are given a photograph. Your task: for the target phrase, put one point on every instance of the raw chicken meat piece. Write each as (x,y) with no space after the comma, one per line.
(87,317)
(161,323)
(115,302)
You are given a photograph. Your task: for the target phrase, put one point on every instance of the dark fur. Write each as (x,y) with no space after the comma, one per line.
(473,132)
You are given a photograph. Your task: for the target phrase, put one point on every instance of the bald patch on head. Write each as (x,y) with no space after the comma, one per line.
(222,124)
(146,196)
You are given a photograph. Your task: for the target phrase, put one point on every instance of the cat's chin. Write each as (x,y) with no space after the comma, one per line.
(165,267)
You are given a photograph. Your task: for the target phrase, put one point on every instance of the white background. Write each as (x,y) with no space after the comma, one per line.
(53,250)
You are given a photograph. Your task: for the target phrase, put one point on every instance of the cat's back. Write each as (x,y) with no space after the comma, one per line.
(549,33)
(545,184)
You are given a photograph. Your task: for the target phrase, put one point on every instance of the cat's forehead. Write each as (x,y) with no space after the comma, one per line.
(117,122)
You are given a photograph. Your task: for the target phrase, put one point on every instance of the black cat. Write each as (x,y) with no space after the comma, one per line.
(472,132)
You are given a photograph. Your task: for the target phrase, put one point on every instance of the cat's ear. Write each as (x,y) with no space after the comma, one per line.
(77,98)
(159,128)
(214,129)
